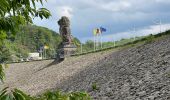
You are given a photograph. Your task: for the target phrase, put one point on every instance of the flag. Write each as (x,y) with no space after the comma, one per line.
(98,31)
(102,29)
(94,31)
(46,47)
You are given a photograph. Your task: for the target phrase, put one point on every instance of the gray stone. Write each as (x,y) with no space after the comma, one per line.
(67,47)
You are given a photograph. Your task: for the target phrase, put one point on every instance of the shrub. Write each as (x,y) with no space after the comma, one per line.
(150,38)
(94,86)
(16,94)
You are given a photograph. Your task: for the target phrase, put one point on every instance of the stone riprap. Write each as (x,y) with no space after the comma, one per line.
(137,73)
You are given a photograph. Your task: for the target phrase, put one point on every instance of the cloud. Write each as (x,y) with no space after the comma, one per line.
(65,11)
(163,1)
(153,29)
(116,6)
(117,16)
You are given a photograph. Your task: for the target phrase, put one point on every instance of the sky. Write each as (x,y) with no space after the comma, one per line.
(119,17)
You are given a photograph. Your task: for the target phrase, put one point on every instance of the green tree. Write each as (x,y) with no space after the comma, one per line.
(14,13)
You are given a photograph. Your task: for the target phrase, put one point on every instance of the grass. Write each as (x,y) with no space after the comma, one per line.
(139,41)
(94,86)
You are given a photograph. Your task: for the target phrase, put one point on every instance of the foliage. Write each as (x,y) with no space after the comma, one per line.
(31,38)
(4,54)
(77,42)
(89,44)
(2,74)
(94,86)
(150,38)
(14,13)
(79,96)
(131,42)
(14,95)
(57,95)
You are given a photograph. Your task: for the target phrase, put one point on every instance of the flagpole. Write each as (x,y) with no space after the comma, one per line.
(101,40)
(97,41)
(134,30)
(101,31)
(94,42)
(160,23)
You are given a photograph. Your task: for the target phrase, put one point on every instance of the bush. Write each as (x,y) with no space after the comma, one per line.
(94,86)
(150,38)
(57,95)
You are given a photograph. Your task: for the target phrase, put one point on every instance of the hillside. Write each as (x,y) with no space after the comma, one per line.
(137,73)
(29,39)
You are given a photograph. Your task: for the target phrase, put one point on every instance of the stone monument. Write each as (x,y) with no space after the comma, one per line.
(67,46)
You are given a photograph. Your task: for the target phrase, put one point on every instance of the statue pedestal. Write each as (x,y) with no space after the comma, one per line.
(67,50)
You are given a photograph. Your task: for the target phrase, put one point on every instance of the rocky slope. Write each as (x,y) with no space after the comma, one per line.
(35,77)
(138,73)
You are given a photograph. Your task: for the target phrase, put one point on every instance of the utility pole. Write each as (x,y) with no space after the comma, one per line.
(134,30)
(160,24)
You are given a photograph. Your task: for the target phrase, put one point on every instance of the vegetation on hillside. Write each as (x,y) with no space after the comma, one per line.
(88,47)
(14,13)
(31,38)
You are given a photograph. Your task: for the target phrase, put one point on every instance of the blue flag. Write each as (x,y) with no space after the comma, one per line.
(102,29)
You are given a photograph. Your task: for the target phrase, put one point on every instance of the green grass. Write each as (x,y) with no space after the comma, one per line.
(95,86)
(126,43)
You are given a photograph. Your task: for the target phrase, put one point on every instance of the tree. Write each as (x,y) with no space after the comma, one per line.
(76,41)
(14,13)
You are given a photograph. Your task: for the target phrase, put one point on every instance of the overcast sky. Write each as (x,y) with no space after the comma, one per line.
(119,17)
